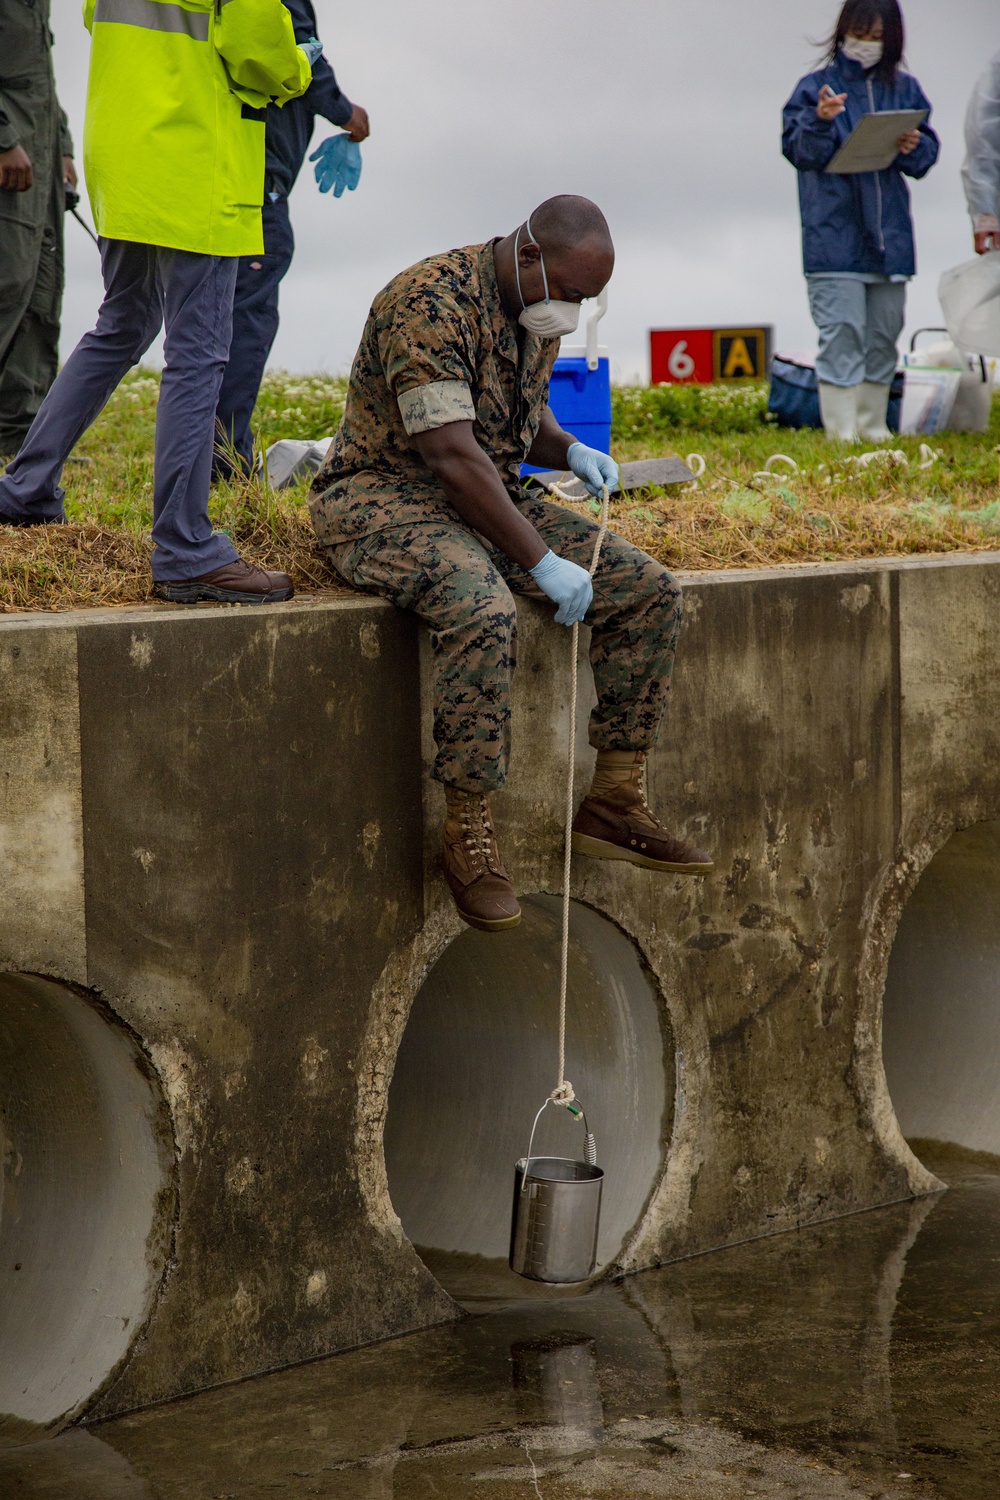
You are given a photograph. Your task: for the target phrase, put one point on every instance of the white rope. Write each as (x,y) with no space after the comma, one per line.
(563,1091)
(554,487)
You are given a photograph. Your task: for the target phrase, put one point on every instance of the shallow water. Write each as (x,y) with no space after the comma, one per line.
(858,1358)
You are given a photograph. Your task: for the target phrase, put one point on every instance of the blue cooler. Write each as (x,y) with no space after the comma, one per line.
(581,400)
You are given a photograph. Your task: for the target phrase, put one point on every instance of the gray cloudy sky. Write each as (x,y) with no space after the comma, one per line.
(666,112)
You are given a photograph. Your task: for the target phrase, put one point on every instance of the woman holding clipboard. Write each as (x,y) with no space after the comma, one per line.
(857,229)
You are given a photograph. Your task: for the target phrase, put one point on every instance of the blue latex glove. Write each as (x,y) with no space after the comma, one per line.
(566,584)
(594,468)
(338,164)
(313,50)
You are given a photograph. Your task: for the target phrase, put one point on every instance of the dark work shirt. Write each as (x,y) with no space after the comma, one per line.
(289,129)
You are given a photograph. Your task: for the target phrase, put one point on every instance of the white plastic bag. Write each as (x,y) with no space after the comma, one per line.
(974,401)
(970,300)
(292,458)
(928,400)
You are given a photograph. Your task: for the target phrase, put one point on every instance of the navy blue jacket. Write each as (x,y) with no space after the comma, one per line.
(861,221)
(289,129)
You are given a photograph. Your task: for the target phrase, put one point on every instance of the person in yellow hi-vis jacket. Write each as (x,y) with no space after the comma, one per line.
(174,161)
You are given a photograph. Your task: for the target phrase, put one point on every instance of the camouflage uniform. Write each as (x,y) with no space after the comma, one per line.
(438,348)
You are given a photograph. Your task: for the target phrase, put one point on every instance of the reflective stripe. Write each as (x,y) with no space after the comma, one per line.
(154,15)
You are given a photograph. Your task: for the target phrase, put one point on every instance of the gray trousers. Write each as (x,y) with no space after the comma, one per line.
(145,286)
(859,325)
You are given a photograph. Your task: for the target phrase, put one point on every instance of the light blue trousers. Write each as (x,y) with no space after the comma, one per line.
(859,325)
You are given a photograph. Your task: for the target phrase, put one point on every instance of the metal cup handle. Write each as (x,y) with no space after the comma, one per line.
(590,1149)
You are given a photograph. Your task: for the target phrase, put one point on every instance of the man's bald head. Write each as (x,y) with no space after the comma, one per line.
(573,237)
(567,223)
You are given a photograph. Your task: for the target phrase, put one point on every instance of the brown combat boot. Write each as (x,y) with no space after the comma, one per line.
(614,821)
(473,868)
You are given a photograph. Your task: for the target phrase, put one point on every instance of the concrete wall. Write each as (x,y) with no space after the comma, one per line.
(211,832)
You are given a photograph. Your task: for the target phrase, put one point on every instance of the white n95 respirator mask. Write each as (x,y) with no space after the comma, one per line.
(550,319)
(868,54)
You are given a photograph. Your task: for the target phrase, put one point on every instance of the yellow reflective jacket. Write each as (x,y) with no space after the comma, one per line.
(174,135)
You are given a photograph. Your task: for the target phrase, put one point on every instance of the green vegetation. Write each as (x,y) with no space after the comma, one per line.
(828,503)
(652,414)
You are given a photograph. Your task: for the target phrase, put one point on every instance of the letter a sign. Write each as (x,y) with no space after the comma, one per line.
(699,356)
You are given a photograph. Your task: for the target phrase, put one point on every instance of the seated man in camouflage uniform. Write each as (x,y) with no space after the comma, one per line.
(421,500)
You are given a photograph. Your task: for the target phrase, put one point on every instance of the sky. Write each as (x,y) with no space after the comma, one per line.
(665,112)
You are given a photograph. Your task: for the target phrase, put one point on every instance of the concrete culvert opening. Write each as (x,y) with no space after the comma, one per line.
(478,1057)
(941,1015)
(87,1164)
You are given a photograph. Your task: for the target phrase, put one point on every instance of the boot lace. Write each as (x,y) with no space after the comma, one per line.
(478,837)
(643,808)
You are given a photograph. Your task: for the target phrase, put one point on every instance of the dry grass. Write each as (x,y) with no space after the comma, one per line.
(761,523)
(85,565)
(828,508)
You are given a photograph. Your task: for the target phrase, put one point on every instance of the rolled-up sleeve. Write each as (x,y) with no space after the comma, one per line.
(426,358)
(425,407)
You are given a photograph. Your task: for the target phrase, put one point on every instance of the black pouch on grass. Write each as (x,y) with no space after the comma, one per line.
(794,397)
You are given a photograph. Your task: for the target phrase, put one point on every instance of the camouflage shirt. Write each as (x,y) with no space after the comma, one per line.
(437,348)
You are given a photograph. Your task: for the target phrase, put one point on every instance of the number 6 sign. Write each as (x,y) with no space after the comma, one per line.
(699,356)
(680,364)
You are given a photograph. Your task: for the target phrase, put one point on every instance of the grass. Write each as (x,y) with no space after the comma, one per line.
(943,498)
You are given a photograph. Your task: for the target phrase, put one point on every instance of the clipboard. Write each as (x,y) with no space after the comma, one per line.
(871,145)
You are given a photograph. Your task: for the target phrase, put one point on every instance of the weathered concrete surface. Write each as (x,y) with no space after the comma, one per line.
(233,800)
(89,1200)
(41,821)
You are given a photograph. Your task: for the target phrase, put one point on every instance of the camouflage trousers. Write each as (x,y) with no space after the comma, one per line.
(463,589)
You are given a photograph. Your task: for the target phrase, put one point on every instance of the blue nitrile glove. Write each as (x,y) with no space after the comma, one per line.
(596,469)
(566,584)
(313,50)
(338,164)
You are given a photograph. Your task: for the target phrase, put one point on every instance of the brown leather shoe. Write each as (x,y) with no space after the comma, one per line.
(473,868)
(237,582)
(621,826)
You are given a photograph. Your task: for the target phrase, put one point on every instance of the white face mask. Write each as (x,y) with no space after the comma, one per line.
(549,319)
(868,54)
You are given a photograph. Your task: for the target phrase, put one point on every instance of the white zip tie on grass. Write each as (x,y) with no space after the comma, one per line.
(777,458)
(893,456)
(691,460)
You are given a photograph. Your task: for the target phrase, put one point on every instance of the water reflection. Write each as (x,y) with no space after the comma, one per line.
(788,1339)
(858,1352)
(557,1388)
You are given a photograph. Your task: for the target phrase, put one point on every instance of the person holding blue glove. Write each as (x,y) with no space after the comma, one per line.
(421,500)
(255,308)
(338,164)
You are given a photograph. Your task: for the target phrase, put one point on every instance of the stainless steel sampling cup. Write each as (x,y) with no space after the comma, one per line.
(556,1215)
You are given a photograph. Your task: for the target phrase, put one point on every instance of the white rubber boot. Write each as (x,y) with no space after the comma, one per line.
(873,407)
(838,406)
